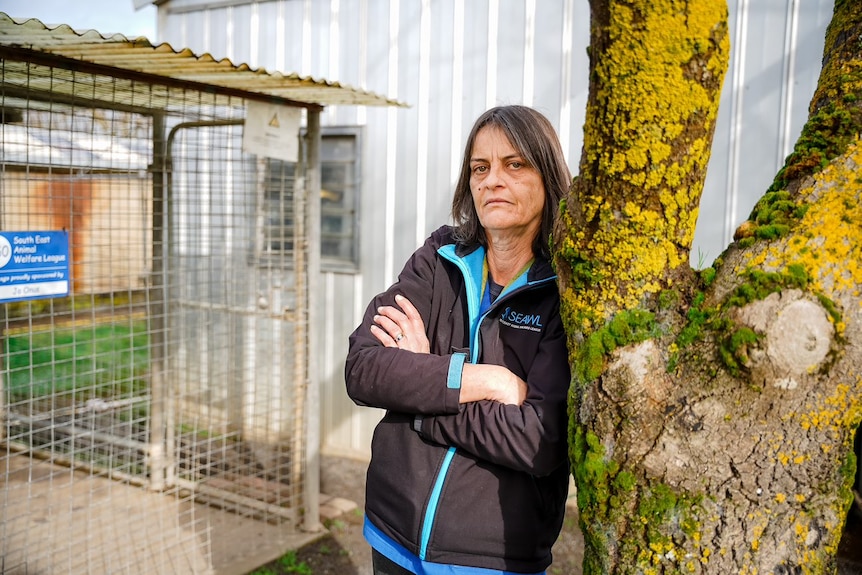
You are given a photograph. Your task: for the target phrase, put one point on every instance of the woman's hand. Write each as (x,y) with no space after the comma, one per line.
(493,382)
(402,328)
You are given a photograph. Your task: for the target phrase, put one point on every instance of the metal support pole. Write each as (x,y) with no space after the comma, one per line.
(312,471)
(156,295)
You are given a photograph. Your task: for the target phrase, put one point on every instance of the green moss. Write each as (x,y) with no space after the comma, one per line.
(698,316)
(631,326)
(836,118)
(830,308)
(598,477)
(672,528)
(590,359)
(707,276)
(613,500)
(625,481)
(743,337)
(581,271)
(745,242)
(604,492)
(625,328)
(668,299)
(760,284)
(592,473)
(734,350)
(773,217)
(848,473)
(735,346)
(824,137)
(656,504)
(736,342)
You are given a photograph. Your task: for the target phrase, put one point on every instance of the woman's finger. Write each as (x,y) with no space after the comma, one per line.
(391,327)
(402,328)
(413,326)
(394,314)
(383,337)
(410,313)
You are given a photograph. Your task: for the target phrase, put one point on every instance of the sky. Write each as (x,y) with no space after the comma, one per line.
(106,16)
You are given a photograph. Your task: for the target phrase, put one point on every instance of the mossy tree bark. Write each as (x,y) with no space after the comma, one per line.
(712,412)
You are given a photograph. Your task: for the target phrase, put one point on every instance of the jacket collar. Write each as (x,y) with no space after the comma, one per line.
(540,270)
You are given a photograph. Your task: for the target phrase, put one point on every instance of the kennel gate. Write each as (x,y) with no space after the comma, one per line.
(176,373)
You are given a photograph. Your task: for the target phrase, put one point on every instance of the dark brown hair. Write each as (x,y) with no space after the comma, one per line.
(533,136)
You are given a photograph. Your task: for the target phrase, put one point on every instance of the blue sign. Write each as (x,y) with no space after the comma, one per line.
(33,265)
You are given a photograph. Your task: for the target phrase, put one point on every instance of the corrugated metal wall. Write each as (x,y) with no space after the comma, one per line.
(451,60)
(776,49)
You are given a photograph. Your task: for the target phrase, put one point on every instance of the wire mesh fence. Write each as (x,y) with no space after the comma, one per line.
(167,386)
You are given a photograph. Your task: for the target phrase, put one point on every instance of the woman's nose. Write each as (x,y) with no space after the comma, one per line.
(493,177)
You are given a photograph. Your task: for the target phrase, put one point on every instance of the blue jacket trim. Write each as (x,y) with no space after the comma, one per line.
(472,268)
(456,366)
(401,556)
(431,512)
(518,282)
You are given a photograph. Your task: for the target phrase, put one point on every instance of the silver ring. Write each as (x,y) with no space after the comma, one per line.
(399,337)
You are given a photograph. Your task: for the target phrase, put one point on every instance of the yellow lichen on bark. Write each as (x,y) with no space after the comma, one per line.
(647,142)
(829,242)
(837,412)
(650,90)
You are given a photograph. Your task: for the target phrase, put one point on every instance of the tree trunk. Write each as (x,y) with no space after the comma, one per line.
(713,412)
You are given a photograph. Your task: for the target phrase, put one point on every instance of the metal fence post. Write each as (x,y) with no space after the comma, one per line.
(312,471)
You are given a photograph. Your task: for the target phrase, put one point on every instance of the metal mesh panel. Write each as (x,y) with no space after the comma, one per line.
(234,324)
(154,415)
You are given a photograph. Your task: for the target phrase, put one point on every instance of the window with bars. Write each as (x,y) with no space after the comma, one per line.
(339,183)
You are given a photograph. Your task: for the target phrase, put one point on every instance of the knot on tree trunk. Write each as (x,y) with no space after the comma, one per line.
(795,338)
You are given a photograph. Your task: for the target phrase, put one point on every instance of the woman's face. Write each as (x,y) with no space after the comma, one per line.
(507,192)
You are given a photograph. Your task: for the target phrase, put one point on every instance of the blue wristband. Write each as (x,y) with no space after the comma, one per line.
(456,366)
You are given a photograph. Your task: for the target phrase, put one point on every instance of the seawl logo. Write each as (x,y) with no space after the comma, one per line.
(517,320)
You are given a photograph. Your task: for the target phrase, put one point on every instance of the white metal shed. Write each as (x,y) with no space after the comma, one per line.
(451,60)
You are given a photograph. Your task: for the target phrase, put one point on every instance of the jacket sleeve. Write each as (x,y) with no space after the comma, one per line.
(396,379)
(530,437)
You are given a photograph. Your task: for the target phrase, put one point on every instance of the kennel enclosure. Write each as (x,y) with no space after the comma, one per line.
(167,401)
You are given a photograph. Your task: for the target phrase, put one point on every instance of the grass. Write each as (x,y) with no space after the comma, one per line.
(286,564)
(110,360)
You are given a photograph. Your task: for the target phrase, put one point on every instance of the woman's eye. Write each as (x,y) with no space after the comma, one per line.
(480,169)
(516,165)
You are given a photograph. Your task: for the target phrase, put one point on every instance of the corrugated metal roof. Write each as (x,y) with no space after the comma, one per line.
(137,57)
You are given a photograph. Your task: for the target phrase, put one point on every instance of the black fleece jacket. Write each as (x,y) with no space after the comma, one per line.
(481,484)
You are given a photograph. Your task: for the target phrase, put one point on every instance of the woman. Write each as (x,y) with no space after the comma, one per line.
(466,352)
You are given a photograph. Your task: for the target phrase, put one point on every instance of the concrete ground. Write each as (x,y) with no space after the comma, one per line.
(54,519)
(58,520)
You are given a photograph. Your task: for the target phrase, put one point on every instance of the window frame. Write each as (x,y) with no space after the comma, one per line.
(268,256)
(335,263)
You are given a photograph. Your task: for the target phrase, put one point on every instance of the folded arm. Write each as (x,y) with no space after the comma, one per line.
(530,436)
